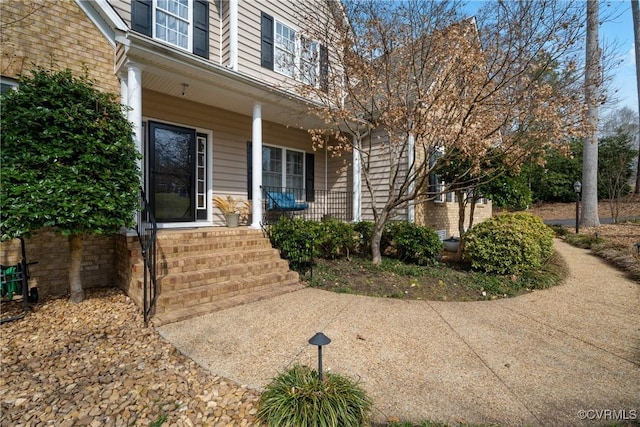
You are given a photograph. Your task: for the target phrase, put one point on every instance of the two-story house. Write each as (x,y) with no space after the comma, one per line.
(210,89)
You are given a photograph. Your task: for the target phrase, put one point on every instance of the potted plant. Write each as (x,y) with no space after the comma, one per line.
(451,244)
(229,207)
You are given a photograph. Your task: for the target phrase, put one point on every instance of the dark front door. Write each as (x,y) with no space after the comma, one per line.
(172,150)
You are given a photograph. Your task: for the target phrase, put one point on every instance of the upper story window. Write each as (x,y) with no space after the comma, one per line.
(288,52)
(181,23)
(173,22)
(285,50)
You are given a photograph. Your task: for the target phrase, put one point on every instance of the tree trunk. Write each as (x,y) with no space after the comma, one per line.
(376,255)
(635,10)
(75,262)
(592,96)
(462,205)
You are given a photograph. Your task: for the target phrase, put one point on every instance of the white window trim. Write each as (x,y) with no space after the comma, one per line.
(297,55)
(283,166)
(189,47)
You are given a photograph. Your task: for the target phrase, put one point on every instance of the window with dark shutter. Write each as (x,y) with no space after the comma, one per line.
(309,171)
(141,11)
(266,49)
(201,28)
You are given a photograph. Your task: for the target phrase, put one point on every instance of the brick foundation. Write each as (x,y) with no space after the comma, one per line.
(51,252)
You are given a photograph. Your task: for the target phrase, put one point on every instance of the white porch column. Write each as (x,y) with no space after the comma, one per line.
(124,90)
(411,153)
(357,181)
(134,101)
(256,166)
(233,35)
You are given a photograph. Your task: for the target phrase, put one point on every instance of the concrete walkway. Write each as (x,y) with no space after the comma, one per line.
(563,356)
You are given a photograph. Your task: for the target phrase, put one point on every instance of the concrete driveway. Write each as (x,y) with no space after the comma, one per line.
(564,356)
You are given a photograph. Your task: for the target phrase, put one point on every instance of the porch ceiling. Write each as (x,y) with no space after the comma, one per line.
(164,70)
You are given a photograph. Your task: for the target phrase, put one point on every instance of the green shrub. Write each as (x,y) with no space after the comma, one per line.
(559,230)
(335,239)
(297,398)
(364,233)
(410,243)
(584,241)
(295,239)
(509,244)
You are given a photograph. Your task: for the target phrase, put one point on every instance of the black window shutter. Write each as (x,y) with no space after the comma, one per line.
(249,171)
(141,16)
(201,28)
(309,177)
(324,68)
(266,31)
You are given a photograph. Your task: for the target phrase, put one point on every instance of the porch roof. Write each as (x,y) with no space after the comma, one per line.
(165,70)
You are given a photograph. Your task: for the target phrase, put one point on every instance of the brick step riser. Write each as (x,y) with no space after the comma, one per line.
(212,236)
(211,260)
(183,248)
(193,279)
(207,294)
(176,315)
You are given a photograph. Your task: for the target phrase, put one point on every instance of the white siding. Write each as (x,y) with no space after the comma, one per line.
(379,175)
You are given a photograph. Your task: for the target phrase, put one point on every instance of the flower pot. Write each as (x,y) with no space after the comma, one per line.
(451,244)
(232,220)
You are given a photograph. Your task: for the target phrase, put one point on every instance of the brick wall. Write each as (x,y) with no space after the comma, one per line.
(444,216)
(128,269)
(54,34)
(51,252)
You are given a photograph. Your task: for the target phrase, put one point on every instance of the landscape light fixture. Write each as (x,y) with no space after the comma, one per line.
(577,187)
(319,339)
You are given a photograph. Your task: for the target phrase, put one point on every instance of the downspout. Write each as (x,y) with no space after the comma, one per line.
(233,35)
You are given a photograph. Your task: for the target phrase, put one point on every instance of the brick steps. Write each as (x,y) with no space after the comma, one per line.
(186,264)
(222,304)
(200,271)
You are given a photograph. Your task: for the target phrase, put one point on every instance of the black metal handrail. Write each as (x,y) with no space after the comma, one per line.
(147,231)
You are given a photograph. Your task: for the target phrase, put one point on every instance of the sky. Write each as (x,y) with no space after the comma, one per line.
(617,30)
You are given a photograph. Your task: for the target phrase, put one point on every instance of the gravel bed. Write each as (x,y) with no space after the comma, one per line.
(95,364)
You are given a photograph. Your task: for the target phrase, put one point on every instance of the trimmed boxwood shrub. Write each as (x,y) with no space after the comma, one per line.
(509,244)
(297,398)
(364,233)
(410,242)
(295,239)
(335,238)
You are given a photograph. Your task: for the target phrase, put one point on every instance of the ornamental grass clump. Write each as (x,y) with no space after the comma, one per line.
(297,398)
(509,244)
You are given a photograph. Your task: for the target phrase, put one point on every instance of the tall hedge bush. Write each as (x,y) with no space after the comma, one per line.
(509,244)
(410,242)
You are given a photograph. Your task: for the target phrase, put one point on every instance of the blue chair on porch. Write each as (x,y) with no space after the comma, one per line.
(284,201)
